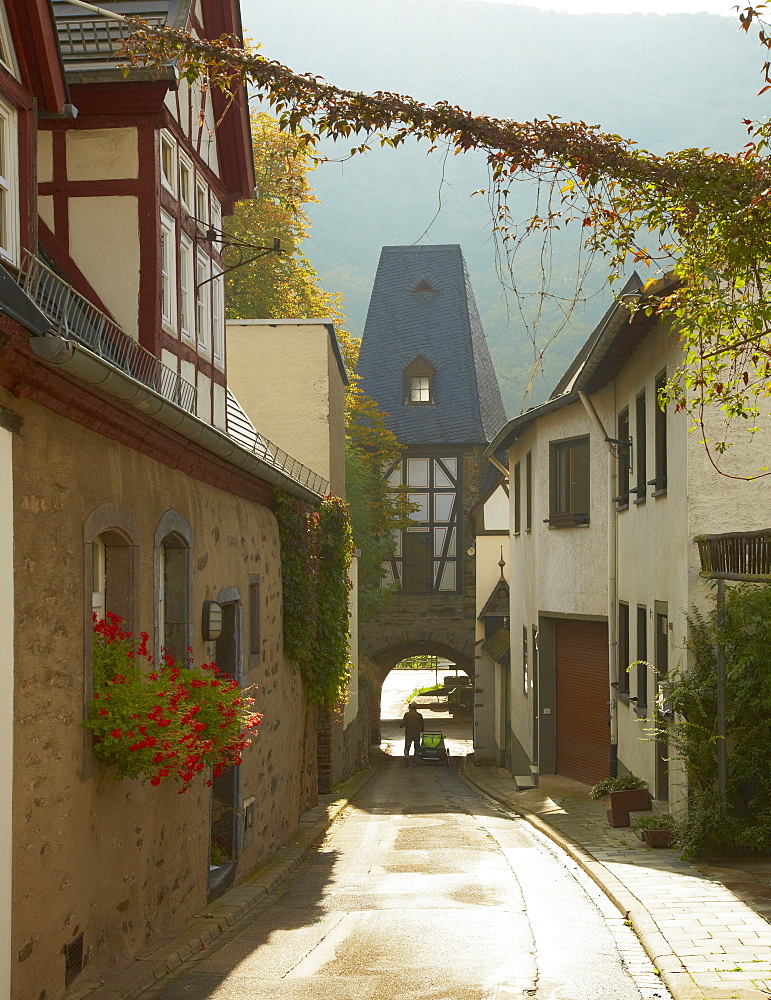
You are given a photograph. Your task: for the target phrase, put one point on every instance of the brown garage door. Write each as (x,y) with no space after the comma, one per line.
(583,731)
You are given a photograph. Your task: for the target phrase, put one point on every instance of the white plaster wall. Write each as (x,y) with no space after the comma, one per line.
(487,735)
(204,397)
(45,157)
(6,706)
(280,376)
(556,570)
(653,545)
(45,207)
(104,243)
(219,406)
(496,511)
(102,154)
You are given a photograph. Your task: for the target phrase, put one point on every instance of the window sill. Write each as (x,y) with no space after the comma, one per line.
(639,500)
(622,506)
(624,696)
(659,493)
(567,521)
(641,711)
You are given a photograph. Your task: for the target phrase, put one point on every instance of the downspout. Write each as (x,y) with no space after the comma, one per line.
(612,582)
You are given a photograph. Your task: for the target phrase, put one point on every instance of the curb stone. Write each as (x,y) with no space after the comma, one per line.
(207,925)
(673,974)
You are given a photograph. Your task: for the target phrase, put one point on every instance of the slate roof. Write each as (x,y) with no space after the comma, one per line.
(440,322)
(89,43)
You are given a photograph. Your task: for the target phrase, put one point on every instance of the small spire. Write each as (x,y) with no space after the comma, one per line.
(502,563)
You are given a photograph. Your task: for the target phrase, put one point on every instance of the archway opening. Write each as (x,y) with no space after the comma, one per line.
(440,682)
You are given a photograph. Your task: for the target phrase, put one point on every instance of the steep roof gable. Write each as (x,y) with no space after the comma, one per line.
(422,305)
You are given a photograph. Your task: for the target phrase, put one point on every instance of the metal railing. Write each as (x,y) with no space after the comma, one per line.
(242,431)
(73,317)
(736,555)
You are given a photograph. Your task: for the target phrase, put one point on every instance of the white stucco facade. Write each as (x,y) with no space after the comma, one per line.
(564,572)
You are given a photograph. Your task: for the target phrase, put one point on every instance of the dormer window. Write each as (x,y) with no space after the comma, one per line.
(420,389)
(418,382)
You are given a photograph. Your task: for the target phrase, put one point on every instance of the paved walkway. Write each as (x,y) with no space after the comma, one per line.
(704,927)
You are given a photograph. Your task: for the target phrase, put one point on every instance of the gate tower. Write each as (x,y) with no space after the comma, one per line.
(424,359)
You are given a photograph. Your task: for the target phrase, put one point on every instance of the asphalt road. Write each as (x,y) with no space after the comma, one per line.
(425,891)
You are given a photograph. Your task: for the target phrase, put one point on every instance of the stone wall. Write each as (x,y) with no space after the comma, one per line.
(121,861)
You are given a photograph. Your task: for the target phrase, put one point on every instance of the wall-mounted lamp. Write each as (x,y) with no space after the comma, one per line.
(211,621)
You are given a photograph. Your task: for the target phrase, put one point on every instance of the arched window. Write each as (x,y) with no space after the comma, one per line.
(111,550)
(419,382)
(112,554)
(173,585)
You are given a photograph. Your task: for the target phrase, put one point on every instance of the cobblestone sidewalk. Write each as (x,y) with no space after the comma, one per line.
(704,927)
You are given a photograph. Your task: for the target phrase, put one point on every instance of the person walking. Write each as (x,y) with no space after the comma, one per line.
(413,727)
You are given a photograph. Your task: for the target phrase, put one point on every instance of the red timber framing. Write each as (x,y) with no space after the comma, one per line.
(23,374)
(41,90)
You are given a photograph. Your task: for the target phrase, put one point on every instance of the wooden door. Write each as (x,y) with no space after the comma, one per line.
(583,725)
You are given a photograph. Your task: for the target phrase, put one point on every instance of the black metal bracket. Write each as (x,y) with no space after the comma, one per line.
(241,247)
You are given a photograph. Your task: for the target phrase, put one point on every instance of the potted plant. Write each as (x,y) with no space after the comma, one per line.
(657,831)
(163,722)
(623,794)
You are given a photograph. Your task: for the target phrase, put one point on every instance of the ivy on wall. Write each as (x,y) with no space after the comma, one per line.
(316,552)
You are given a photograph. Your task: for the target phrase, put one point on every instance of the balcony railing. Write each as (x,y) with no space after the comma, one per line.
(736,555)
(242,431)
(73,317)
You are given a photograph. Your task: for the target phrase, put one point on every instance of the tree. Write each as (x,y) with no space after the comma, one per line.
(703,214)
(279,285)
(285,285)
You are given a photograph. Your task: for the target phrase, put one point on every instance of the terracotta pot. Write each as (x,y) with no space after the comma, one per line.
(659,838)
(620,804)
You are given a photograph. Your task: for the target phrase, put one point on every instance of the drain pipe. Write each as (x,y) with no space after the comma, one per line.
(612,582)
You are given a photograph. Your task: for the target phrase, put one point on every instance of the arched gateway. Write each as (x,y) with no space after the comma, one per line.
(424,359)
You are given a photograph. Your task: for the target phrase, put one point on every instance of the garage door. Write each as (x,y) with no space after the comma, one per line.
(583,731)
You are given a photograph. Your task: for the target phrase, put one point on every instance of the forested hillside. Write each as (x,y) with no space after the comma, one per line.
(667,82)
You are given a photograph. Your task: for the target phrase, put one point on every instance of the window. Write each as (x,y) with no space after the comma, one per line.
(168,272)
(254,619)
(642,448)
(517,498)
(419,389)
(426,554)
(201,205)
(112,575)
(186,183)
(202,304)
(168,163)
(529,491)
(186,285)
(525,671)
(418,382)
(174,631)
(642,659)
(217,318)
(659,484)
(569,482)
(7,54)
(216,215)
(623,460)
(623,648)
(9,185)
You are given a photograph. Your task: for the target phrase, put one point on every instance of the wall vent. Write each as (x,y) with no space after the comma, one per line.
(73,959)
